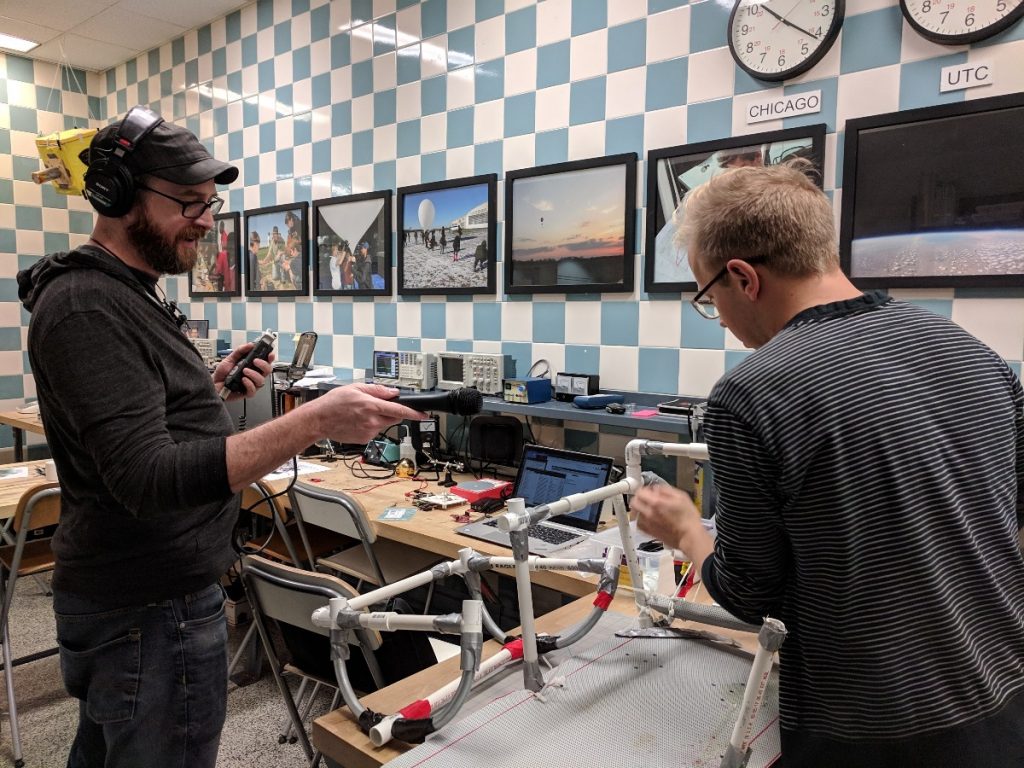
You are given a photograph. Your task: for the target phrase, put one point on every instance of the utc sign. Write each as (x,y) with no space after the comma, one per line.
(961,76)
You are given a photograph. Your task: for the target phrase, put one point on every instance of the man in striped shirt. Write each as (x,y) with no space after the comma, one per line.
(868,457)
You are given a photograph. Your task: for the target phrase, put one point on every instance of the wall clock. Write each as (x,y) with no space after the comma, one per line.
(779,39)
(953,22)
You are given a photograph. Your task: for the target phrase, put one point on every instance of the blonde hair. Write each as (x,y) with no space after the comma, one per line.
(775,212)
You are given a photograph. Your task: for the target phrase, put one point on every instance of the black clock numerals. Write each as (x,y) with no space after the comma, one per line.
(777,40)
(956,22)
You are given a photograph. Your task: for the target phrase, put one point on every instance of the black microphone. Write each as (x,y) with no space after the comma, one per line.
(462,402)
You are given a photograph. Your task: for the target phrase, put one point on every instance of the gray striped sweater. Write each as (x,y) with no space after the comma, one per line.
(867,461)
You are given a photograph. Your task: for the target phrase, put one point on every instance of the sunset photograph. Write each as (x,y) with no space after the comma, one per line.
(569,228)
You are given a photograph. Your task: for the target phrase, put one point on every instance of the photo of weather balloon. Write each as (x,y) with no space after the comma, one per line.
(569,228)
(443,243)
(352,246)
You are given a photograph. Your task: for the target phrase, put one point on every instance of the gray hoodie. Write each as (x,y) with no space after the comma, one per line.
(136,430)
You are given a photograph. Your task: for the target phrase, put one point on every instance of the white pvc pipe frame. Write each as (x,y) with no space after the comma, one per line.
(516,519)
(519,517)
(326,617)
(380,734)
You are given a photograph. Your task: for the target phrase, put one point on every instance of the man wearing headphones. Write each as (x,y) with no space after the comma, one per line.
(150,470)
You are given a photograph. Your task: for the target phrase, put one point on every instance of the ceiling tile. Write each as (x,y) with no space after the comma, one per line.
(144,24)
(27,30)
(185,13)
(84,53)
(115,25)
(57,14)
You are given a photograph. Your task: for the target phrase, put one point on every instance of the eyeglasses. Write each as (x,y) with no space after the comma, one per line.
(703,303)
(190,209)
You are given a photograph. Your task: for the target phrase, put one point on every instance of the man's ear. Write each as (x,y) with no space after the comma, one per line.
(746,277)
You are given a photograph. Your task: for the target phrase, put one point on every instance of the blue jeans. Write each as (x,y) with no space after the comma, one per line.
(151,680)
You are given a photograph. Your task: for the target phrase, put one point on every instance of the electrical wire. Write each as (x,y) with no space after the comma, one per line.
(529,428)
(545,374)
(456,445)
(242,548)
(361,470)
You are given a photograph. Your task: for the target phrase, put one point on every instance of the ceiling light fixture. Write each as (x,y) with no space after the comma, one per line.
(12,43)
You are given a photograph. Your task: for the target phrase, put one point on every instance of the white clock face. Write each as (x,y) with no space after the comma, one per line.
(776,39)
(961,21)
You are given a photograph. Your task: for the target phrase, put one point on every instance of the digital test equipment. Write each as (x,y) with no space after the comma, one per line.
(411,370)
(481,371)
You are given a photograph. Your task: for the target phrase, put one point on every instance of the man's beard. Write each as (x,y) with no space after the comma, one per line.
(162,254)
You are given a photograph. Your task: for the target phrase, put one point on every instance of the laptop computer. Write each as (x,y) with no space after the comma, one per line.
(546,475)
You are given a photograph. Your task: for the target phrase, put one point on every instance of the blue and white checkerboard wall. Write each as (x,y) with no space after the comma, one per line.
(312,98)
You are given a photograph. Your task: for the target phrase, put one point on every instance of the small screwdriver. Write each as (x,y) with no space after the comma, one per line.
(261,350)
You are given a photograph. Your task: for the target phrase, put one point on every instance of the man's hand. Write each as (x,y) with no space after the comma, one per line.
(670,515)
(251,380)
(358,412)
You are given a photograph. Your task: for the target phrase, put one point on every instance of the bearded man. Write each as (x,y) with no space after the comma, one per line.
(150,472)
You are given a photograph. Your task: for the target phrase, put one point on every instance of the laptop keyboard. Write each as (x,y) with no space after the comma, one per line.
(544,533)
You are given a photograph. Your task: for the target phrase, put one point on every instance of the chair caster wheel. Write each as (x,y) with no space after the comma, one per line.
(282,739)
(19,764)
(293,739)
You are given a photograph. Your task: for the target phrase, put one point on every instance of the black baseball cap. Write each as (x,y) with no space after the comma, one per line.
(169,152)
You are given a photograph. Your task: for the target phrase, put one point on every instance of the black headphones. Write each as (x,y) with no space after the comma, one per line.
(109,185)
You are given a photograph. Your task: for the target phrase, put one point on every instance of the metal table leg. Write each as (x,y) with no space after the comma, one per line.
(19,443)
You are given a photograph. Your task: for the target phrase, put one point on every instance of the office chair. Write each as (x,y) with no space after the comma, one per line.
(259,496)
(289,596)
(39,507)
(282,547)
(377,561)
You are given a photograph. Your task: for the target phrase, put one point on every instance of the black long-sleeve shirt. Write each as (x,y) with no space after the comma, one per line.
(868,461)
(136,430)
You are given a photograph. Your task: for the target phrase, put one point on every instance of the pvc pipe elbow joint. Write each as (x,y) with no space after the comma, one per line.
(380,734)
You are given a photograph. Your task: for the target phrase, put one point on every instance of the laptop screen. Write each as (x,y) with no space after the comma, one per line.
(548,474)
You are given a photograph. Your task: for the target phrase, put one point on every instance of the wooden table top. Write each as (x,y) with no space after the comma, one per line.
(11,489)
(30,422)
(432,530)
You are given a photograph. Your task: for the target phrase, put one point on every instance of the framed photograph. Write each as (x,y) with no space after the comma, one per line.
(934,197)
(276,251)
(197,329)
(218,267)
(674,171)
(352,245)
(569,227)
(446,237)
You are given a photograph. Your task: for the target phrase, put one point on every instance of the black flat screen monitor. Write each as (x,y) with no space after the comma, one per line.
(934,197)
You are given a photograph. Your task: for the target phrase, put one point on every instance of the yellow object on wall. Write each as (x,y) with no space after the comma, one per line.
(60,153)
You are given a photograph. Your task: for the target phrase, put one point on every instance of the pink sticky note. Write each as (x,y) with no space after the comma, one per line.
(645,414)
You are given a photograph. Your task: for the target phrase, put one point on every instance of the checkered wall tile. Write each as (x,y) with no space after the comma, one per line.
(313,98)
(35,98)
